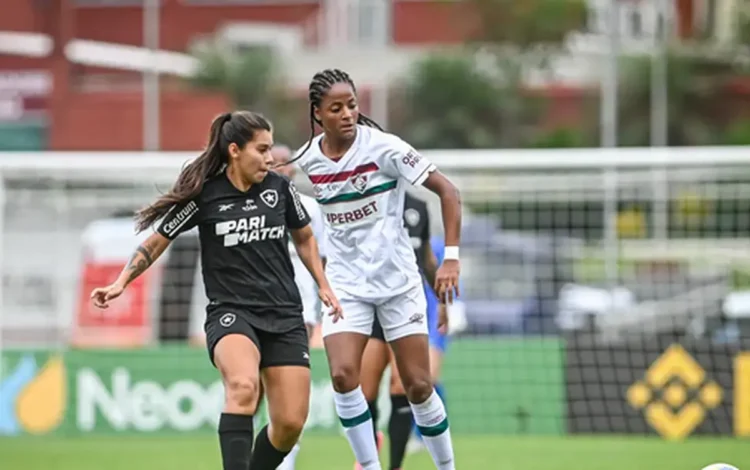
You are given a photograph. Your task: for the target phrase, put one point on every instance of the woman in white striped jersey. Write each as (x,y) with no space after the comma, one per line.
(359,173)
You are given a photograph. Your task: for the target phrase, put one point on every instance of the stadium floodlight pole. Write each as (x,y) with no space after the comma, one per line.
(660,114)
(151,95)
(608,131)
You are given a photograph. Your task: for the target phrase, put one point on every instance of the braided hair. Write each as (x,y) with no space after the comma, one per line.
(319,86)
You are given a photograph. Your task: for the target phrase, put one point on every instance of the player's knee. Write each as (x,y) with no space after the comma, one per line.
(242,392)
(419,389)
(287,429)
(345,377)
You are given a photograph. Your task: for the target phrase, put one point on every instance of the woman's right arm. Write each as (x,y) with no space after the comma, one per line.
(143,257)
(178,219)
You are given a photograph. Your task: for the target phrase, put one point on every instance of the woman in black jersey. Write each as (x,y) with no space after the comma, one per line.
(254,326)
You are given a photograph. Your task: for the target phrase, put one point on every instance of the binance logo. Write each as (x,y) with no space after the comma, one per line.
(675,394)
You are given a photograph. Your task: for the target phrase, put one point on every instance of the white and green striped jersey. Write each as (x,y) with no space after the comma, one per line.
(369,254)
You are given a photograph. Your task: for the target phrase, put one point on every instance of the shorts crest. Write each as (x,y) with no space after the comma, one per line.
(227,320)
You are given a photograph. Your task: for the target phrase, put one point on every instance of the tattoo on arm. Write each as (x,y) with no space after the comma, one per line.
(138,264)
(145,254)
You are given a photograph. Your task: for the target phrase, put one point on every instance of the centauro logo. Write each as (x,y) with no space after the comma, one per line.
(32,399)
(247,230)
(666,391)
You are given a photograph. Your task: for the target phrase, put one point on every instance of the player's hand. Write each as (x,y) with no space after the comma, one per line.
(443,319)
(329,300)
(102,295)
(446,281)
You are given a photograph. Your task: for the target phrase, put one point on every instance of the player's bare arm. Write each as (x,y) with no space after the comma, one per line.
(430,263)
(430,273)
(307,250)
(143,257)
(446,278)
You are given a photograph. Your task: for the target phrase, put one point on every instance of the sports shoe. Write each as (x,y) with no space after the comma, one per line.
(379,443)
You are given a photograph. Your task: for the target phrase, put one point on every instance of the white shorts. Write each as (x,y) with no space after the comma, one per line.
(401,315)
(310,302)
(310,309)
(308,291)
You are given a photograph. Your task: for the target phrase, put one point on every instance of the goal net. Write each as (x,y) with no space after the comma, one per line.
(603,292)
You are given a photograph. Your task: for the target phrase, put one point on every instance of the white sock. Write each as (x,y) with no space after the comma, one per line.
(432,422)
(357,421)
(290,459)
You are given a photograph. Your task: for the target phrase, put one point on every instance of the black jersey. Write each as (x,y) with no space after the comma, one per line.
(244,246)
(417,222)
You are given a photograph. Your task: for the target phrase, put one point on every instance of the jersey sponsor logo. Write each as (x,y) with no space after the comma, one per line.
(180,218)
(411,159)
(249,205)
(355,215)
(248,230)
(296,201)
(324,191)
(412,217)
(270,197)
(225,207)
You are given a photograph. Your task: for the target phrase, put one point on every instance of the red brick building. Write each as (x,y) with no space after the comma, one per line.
(82,115)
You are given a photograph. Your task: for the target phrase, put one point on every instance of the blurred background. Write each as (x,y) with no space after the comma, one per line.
(602,150)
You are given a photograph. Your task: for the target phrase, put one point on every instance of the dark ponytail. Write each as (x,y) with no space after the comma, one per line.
(238,128)
(319,86)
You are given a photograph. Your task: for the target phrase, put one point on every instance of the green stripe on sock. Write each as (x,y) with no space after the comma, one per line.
(357,420)
(432,431)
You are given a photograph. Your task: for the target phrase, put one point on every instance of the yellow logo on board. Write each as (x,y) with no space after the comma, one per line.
(32,399)
(675,376)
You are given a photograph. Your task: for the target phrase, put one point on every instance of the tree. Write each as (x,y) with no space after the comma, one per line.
(450,104)
(252,80)
(527,25)
(523,36)
(476,98)
(696,94)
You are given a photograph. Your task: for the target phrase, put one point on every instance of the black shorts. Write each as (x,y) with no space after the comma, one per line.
(290,348)
(377,330)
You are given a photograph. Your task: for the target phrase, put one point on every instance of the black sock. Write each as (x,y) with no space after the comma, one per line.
(373,406)
(399,429)
(265,455)
(236,440)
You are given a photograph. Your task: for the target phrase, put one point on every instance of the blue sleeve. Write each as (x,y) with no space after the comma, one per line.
(438,249)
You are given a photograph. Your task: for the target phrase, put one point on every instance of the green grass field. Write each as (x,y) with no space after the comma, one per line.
(332,453)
